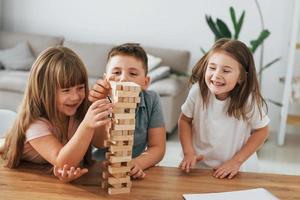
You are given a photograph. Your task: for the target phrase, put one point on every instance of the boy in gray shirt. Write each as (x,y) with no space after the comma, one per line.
(128,62)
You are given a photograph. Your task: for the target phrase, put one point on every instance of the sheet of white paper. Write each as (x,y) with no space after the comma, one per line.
(258,193)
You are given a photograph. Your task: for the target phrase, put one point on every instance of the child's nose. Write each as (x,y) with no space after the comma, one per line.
(75,96)
(217,74)
(123,77)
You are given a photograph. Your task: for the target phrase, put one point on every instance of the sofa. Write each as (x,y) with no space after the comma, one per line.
(172,88)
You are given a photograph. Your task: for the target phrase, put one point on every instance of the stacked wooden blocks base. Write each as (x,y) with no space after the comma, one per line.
(125,96)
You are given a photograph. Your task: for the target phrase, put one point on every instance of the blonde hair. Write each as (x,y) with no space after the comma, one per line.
(55,67)
(247,89)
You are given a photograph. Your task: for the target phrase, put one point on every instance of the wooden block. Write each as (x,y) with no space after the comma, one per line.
(115,165)
(112,180)
(137,100)
(115,170)
(124,115)
(114,148)
(115,159)
(127,94)
(122,138)
(131,100)
(125,105)
(125,99)
(116,133)
(104,184)
(105,175)
(118,190)
(118,110)
(123,127)
(131,132)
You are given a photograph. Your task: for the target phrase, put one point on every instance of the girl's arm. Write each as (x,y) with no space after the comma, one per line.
(99,136)
(254,142)
(156,148)
(231,167)
(72,152)
(185,136)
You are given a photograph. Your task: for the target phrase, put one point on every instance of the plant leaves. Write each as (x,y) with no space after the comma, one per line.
(223,29)
(212,26)
(268,65)
(255,43)
(233,18)
(275,102)
(239,26)
(202,50)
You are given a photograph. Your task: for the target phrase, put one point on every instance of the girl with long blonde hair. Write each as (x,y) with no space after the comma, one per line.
(55,123)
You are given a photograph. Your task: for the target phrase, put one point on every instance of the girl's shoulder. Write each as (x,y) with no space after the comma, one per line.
(38,128)
(40,122)
(195,89)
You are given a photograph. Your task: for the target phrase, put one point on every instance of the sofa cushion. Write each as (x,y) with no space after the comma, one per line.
(36,42)
(17,58)
(153,62)
(94,56)
(13,80)
(159,73)
(178,60)
(170,86)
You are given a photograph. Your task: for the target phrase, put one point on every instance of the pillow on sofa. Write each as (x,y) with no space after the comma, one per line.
(17,58)
(153,62)
(170,86)
(159,73)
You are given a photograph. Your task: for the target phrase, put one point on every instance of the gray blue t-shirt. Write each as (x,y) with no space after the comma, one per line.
(148,115)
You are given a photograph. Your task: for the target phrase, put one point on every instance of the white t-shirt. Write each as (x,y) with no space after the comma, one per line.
(216,135)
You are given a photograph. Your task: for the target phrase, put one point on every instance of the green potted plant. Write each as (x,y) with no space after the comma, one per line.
(221,30)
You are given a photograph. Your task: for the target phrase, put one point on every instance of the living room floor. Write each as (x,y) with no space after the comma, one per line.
(272,158)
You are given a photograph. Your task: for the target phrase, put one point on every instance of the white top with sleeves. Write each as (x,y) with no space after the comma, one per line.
(216,135)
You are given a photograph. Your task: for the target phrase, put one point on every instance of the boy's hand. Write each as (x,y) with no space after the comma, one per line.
(101,88)
(189,161)
(228,169)
(67,174)
(136,171)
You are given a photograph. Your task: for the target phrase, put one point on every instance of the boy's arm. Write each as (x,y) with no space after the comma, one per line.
(156,148)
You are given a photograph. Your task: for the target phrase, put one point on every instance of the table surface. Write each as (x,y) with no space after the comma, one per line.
(37,182)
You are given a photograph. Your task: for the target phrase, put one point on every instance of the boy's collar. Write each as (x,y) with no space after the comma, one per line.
(142,100)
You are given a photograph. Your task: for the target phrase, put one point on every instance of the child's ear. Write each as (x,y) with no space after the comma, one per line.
(146,83)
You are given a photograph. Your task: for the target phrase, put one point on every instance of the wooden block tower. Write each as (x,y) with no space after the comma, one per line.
(125,96)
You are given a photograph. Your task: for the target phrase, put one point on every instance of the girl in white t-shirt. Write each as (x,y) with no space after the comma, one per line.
(55,123)
(222,123)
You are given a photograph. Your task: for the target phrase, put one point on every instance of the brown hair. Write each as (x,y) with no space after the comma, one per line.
(55,67)
(130,49)
(248,86)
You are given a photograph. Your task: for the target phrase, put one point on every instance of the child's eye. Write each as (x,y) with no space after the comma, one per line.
(81,87)
(116,72)
(211,68)
(227,71)
(133,74)
(65,90)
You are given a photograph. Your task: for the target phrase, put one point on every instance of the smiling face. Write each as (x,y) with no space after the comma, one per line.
(69,99)
(222,74)
(127,68)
